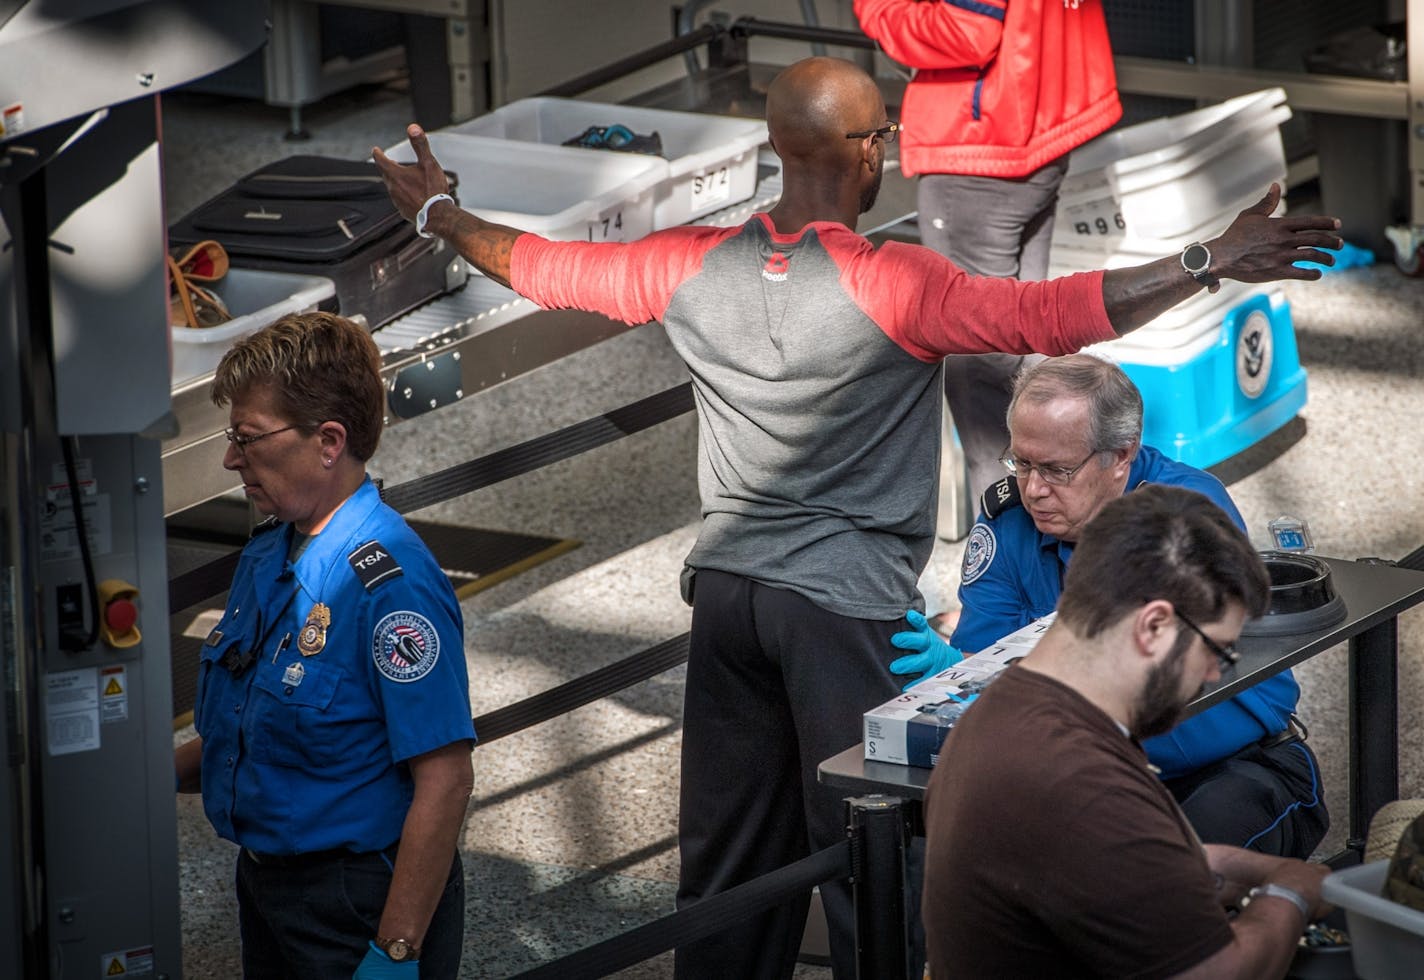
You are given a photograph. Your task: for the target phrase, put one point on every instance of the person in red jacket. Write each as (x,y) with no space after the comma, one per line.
(1002,92)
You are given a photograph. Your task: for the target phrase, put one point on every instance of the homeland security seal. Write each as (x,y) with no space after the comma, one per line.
(978,553)
(1254,355)
(405,646)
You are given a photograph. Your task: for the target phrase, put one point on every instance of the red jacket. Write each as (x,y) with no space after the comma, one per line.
(1001,87)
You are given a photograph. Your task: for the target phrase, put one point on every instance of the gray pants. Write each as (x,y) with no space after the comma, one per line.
(988,226)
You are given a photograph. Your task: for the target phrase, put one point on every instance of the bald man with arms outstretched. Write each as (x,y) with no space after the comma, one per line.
(815,359)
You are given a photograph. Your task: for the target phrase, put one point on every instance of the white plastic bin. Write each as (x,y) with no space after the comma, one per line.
(1168,177)
(562,193)
(1087,255)
(1387,939)
(255,299)
(711,160)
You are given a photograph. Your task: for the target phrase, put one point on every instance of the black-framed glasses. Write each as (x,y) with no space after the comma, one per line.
(887,133)
(1226,656)
(1052,474)
(242,442)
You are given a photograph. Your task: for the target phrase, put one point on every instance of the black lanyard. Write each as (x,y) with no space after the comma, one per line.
(235,663)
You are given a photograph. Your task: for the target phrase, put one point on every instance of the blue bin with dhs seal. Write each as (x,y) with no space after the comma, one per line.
(1218,401)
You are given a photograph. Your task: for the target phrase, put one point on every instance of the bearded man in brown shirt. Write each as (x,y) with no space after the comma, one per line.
(1053,849)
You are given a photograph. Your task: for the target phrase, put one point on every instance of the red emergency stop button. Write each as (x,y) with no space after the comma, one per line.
(120,616)
(118,623)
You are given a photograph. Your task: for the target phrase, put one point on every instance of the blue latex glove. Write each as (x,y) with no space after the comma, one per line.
(932,653)
(378,966)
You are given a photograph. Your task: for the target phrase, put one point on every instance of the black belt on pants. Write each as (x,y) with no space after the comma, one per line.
(1295,731)
(313,858)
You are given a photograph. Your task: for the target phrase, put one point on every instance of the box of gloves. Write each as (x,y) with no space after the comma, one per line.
(910,729)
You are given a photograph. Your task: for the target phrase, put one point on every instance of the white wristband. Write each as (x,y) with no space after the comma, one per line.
(424,214)
(1272,890)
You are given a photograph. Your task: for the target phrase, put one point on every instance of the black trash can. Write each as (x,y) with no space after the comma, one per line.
(1364,162)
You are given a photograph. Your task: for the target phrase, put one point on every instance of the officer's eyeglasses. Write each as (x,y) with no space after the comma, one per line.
(887,133)
(1053,475)
(1226,656)
(242,442)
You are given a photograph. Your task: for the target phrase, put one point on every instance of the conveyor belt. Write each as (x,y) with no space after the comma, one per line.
(480,299)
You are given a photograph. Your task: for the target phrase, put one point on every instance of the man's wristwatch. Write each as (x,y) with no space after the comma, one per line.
(1196,259)
(1272,890)
(399,950)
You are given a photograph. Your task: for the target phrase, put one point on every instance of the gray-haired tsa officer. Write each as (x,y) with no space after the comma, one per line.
(333,705)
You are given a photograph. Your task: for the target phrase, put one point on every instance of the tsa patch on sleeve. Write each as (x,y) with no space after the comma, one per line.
(978,553)
(405,646)
(373,564)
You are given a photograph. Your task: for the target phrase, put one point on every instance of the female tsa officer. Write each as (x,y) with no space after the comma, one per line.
(333,709)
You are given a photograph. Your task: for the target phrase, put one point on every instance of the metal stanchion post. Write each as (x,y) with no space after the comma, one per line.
(1374,726)
(880,832)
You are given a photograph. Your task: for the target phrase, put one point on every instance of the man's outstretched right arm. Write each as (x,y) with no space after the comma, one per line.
(484,245)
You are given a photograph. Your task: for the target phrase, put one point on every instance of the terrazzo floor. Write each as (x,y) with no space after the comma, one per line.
(570,836)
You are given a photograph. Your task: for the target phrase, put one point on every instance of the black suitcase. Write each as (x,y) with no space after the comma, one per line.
(328,217)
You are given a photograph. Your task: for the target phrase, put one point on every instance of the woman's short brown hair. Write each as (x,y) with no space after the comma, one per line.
(324,369)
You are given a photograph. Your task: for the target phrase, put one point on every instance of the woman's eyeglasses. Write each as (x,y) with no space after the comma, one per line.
(242,442)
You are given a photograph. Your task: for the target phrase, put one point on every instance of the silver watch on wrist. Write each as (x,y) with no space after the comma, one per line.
(1272,890)
(1196,260)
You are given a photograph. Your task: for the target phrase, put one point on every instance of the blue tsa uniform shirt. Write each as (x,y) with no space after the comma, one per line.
(1013,574)
(323,677)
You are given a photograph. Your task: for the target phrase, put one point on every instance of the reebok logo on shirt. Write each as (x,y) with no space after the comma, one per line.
(775,268)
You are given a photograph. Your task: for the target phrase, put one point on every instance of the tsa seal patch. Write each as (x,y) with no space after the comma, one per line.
(1253,355)
(405,646)
(978,553)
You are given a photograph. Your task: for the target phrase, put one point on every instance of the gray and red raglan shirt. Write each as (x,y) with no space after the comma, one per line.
(816,367)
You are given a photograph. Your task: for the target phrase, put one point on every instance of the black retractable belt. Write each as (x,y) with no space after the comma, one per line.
(581,690)
(707,917)
(538,452)
(208,580)
(201,583)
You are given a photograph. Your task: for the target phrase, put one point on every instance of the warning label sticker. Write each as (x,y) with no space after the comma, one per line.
(113,694)
(136,962)
(59,534)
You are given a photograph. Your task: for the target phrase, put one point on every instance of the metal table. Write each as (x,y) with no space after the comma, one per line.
(1374,596)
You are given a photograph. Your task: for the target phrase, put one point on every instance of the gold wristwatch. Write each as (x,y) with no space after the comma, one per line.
(399,950)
